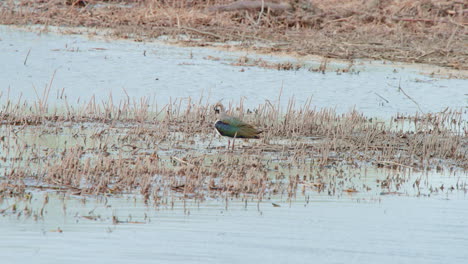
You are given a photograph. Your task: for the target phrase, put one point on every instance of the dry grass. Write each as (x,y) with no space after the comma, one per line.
(426,31)
(172,152)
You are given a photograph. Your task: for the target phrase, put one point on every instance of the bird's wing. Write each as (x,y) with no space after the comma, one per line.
(233,127)
(236,122)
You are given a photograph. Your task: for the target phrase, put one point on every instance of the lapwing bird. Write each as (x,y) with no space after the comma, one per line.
(233,127)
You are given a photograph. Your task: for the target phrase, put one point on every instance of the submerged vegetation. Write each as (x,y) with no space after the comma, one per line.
(425,31)
(172,152)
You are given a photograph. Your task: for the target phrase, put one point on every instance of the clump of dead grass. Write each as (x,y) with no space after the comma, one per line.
(427,31)
(172,153)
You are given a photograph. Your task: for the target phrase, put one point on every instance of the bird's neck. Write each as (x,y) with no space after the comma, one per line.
(222,115)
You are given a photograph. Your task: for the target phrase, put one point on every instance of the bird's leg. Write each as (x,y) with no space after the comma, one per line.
(234,141)
(229,144)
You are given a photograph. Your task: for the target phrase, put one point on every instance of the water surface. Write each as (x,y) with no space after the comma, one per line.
(386,229)
(98,66)
(365,227)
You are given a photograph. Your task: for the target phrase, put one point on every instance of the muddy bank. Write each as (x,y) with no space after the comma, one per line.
(427,31)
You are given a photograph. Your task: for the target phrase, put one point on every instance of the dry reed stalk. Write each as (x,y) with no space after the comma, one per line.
(429,31)
(124,147)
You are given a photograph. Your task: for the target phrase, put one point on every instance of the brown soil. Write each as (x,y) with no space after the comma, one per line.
(423,31)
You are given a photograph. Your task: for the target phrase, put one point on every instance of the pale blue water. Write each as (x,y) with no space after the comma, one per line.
(86,67)
(360,228)
(382,229)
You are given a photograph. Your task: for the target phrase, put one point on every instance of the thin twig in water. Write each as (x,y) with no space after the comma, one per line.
(27,55)
(409,97)
(382,97)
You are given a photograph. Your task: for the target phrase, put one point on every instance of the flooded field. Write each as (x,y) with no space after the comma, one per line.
(98,66)
(109,146)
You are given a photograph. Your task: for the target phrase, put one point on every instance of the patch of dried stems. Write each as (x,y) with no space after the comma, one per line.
(427,31)
(170,153)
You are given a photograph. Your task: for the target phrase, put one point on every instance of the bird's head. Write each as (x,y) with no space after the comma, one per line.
(219,108)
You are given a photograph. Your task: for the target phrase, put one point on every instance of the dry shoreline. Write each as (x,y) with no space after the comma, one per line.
(430,32)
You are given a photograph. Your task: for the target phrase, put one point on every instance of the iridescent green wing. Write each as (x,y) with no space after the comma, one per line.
(233,127)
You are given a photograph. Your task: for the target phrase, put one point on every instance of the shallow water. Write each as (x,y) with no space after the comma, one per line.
(386,229)
(98,66)
(403,225)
